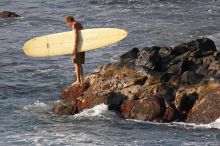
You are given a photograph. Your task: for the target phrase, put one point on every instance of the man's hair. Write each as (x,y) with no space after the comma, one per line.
(69,19)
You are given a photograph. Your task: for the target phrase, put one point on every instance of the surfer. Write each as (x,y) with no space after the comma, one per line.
(78,57)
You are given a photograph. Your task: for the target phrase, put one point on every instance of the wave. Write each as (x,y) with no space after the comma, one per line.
(99,112)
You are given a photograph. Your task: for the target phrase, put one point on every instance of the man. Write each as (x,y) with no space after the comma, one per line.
(78,57)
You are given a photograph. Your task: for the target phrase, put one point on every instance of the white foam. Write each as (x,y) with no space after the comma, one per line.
(37,106)
(215,124)
(96,111)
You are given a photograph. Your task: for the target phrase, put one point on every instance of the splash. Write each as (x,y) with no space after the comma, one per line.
(96,111)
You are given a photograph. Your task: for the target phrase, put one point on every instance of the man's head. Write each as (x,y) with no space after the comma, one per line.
(69,20)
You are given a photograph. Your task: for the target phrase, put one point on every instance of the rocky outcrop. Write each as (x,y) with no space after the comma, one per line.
(8,14)
(162,84)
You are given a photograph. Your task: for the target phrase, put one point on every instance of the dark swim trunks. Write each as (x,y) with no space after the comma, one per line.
(79,58)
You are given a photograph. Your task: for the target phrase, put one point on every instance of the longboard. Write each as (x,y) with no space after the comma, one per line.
(59,44)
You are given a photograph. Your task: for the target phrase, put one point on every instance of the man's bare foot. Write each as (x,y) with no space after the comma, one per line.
(75,83)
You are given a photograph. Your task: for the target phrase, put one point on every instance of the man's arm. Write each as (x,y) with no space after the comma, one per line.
(76,37)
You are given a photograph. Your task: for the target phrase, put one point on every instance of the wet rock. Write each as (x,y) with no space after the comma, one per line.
(86,102)
(8,14)
(170,114)
(64,107)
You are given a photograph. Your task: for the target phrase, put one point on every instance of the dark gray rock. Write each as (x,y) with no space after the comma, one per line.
(132,54)
(148,58)
(114,100)
(191,78)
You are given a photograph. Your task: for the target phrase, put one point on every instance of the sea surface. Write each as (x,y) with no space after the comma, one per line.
(29,87)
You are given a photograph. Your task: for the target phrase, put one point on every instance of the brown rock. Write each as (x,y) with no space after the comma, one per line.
(65,107)
(146,109)
(75,91)
(207,107)
(131,91)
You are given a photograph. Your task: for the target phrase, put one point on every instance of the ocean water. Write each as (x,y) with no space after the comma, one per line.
(29,87)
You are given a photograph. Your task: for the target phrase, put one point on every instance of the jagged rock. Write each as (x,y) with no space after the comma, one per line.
(148,58)
(132,54)
(8,14)
(162,84)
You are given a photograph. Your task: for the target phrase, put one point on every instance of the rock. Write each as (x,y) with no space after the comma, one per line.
(200,54)
(132,54)
(131,91)
(86,102)
(206,108)
(170,114)
(162,84)
(206,44)
(148,58)
(203,70)
(64,108)
(203,44)
(146,109)
(190,78)
(114,100)
(75,91)
(8,14)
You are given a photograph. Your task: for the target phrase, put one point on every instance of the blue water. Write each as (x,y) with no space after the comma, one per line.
(29,87)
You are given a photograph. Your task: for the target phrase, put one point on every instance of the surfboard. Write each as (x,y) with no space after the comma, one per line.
(59,44)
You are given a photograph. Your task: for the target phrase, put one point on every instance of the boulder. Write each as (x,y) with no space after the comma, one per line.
(65,107)
(146,109)
(8,14)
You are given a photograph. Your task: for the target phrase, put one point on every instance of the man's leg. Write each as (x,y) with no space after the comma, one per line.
(77,70)
(81,73)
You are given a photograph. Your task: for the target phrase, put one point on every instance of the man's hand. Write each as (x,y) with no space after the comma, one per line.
(74,52)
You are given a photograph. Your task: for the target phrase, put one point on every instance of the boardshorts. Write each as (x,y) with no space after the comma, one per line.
(79,58)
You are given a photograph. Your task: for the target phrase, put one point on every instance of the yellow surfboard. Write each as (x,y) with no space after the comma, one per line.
(62,43)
